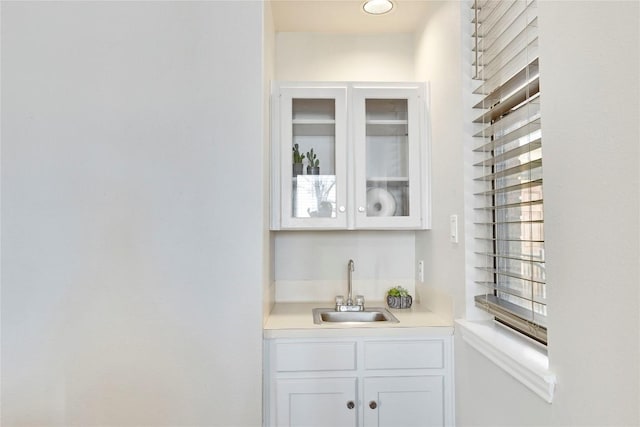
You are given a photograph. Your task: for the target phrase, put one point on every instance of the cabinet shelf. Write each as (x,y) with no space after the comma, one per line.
(387,122)
(397,128)
(319,178)
(313,108)
(313,122)
(397,179)
(314,128)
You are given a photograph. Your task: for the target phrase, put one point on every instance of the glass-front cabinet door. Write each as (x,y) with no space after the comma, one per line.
(388,176)
(313,145)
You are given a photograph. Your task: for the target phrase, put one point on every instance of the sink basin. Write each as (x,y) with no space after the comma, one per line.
(369,315)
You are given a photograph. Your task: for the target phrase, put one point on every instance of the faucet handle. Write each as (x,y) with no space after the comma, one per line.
(339,300)
(359,300)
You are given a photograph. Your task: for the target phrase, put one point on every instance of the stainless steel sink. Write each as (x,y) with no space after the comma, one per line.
(372,314)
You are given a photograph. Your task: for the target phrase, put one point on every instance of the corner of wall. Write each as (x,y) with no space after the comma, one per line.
(438,53)
(268,65)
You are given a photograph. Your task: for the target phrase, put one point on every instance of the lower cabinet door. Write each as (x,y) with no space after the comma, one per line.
(319,402)
(404,401)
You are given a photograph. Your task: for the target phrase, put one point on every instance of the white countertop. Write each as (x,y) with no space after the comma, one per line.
(294,320)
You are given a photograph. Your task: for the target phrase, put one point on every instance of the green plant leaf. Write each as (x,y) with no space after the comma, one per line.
(398,291)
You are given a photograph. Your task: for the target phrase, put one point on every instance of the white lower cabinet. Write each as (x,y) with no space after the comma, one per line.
(404,401)
(359,382)
(316,402)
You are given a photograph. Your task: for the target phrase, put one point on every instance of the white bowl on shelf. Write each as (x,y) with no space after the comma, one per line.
(380,202)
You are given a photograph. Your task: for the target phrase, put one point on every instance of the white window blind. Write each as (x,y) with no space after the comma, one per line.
(509,220)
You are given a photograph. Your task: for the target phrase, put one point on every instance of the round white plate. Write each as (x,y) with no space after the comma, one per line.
(380,202)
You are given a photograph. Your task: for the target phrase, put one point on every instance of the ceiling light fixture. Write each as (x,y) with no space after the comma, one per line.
(377,7)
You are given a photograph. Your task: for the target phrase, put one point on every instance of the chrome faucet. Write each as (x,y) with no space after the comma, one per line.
(350,306)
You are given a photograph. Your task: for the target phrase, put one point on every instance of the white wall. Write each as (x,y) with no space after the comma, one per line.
(591,192)
(590,109)
(344,57)
(313,265)
(438,61)
(132,213)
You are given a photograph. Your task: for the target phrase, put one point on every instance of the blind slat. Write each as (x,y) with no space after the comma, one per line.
(507,104)
(523,115)
(522,223)
(508,73)
(505,19)
(506,48)
(525,76)
(510,188)
(493,67)
(493,239)
(522,320)
(516,152)
(523,130)
(493,255)
(493,15)
(511,171)
(518,293)
(509,206)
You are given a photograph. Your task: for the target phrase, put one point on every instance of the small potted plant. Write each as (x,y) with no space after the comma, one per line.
(314,164)
(297,160)
(399,297)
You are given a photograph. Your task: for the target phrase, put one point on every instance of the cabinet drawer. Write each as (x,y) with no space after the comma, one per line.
(404,354)
(310,356)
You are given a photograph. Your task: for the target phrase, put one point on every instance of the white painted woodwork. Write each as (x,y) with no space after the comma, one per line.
(347,151)
(318,402)
(404,354)
(316,356)
(404,401)
(392,156)
(323,145)
(409,380)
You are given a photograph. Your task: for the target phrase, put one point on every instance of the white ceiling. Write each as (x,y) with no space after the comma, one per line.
(346,16)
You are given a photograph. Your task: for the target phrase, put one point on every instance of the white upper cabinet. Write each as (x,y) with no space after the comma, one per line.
(364,151)
(308,196)
(388,141)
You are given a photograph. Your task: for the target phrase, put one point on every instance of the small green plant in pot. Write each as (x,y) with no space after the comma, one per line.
(399,297)
(297,160)
(314,164)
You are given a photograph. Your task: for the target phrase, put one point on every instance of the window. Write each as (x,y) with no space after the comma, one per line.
(509,220)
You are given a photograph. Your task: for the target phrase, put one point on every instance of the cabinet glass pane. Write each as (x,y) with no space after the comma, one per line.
(387,157)
(314,179)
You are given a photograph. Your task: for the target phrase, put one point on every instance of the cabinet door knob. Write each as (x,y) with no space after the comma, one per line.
(350,404)
(361,209)
(342,209)
(373,404)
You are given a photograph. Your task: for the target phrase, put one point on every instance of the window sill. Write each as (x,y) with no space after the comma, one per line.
(525,361)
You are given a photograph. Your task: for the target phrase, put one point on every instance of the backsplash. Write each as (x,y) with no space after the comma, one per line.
(326,290)
(310,255)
